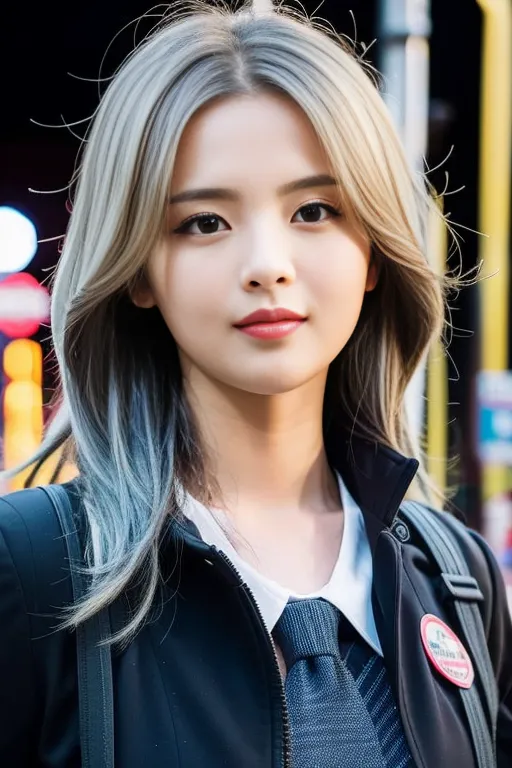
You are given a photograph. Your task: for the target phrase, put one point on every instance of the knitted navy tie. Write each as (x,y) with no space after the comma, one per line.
(337,720)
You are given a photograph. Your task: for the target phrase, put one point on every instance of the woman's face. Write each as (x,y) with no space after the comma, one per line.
(253,224)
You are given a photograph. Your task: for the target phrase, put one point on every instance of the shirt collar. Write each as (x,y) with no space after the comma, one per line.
(349,588)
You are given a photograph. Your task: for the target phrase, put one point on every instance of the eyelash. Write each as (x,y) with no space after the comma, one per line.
(185,225)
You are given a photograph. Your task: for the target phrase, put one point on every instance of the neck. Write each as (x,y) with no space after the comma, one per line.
(264,451)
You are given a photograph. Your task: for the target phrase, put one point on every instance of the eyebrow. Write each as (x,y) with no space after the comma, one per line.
(221,193)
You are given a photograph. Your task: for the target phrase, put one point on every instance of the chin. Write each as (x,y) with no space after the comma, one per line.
(272,382)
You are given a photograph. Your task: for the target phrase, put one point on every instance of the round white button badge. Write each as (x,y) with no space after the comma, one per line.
(446,652)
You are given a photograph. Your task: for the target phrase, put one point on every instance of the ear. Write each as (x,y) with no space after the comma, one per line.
(372,276)
(141,294)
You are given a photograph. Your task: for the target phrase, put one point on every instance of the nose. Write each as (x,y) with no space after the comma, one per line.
(267,262)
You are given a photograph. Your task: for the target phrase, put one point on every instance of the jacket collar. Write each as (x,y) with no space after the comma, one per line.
(377,477)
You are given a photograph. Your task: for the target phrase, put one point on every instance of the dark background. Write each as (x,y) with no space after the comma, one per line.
(45,42)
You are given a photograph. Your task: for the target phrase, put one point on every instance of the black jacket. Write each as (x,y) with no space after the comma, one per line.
(199,686)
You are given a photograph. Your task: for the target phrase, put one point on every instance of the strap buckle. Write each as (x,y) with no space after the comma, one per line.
(460,587)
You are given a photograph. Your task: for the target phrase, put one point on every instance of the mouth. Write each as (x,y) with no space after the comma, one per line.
(270,324)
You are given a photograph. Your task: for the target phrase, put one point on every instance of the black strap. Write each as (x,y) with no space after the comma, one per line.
(94,662)
(465,593)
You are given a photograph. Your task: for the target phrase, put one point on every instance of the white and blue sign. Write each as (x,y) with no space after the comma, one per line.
(495,417)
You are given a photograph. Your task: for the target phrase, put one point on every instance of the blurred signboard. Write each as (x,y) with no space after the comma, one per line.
(494,396)
(495,417)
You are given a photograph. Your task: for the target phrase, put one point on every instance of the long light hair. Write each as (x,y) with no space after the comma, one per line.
(122,404)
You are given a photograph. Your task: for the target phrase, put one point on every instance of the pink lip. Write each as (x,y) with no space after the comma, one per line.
(271,330)
(270,323)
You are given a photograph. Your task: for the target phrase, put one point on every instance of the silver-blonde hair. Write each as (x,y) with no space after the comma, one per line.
(122,405)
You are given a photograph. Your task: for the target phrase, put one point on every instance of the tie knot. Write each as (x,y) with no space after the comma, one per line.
(307,628)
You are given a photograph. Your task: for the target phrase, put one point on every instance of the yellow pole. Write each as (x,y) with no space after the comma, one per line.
(494,198)
(437,367)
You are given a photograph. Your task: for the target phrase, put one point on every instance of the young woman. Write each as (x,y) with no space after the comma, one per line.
(242,297)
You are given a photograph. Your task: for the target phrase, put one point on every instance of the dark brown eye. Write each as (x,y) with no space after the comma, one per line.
(204,224)
(311,213)
(207,225)
(315,212)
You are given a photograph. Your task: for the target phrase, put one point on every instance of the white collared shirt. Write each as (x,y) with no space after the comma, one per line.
(348,589)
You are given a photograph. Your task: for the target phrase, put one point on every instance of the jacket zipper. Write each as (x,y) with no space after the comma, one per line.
(287,758)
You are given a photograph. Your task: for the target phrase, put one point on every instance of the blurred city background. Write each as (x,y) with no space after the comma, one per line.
(447,74)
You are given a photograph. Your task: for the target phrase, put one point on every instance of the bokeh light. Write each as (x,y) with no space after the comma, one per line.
(24,305)
(18,240)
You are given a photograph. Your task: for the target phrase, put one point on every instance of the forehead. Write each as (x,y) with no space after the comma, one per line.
(248,138)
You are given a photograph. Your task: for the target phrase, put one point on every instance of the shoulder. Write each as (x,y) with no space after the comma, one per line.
(476,552)
(32,547)
(25,513)
(494,608)
(36,660)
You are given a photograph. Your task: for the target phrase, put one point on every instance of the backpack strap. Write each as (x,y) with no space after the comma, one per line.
(94,663)
(440,540)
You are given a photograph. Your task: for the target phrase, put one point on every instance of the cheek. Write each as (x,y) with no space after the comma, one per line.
(338,283)
(188,293)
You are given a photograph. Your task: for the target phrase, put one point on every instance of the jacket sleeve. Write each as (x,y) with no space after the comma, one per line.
(499,638)
(17,696)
